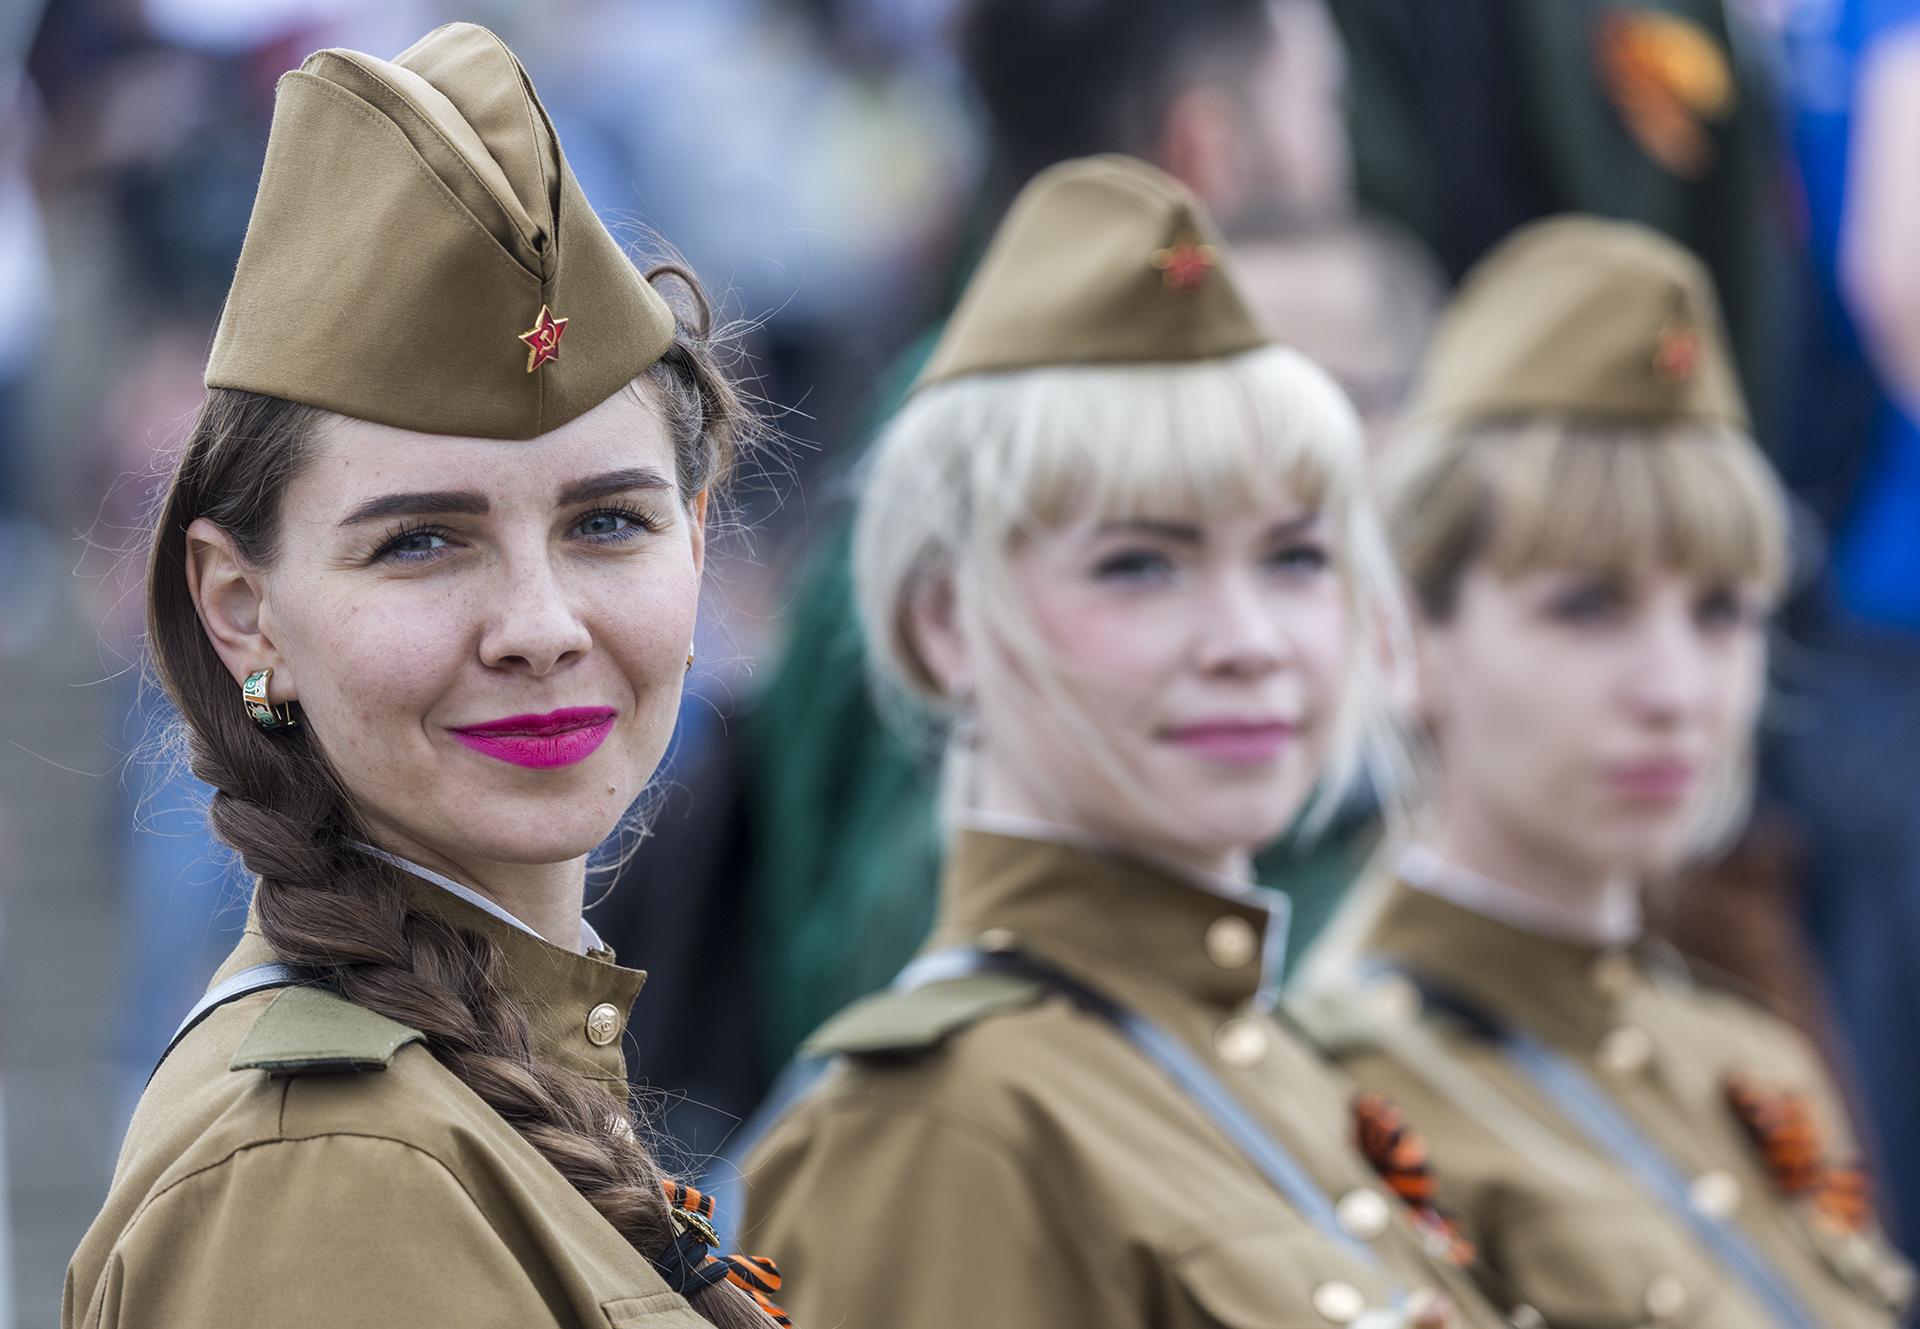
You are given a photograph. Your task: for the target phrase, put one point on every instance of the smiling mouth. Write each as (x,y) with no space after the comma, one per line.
(1659,781)
(1234,742)
(541,742)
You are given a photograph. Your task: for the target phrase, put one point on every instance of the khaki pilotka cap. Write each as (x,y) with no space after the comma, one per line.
(420,254)
(1579,315)
(1100,260)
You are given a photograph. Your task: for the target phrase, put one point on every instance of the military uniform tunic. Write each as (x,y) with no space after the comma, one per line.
(987,1152)
(300,1161)
(1558,1224)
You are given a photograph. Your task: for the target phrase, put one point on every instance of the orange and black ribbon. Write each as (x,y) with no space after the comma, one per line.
(1845,1198)
(1781,1125)
(1398,1153)
(688,1264)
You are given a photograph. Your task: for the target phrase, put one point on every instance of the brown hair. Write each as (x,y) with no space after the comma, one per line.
(1603,496)
(277,801)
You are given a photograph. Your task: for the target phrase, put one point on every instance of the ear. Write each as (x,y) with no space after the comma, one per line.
(1200,144)
(229,597)
(937,637)
(697,521)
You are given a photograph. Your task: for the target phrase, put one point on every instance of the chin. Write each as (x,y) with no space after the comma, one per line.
(1644,849)
(1217,833)
(521,834)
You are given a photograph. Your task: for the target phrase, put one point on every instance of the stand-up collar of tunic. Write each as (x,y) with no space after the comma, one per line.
(1097,911)
(1611,919)
(1569,991)
(577,1005)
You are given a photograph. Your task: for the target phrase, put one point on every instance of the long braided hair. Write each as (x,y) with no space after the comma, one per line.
(278,802)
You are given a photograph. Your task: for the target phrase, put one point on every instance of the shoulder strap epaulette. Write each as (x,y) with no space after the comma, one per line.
(903,1022)
(311,1031)
(1339,1022)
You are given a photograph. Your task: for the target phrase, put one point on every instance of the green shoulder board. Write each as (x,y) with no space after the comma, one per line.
(899,1023)
(307,1031)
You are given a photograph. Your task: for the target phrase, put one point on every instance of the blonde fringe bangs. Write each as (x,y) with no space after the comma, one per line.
(1197,441)
(1615,499)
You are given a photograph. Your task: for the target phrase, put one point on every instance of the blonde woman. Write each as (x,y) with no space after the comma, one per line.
(1593,544)
(1116,548)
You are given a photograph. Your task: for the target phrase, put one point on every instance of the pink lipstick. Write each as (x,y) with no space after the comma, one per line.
(1233,742)
(1659,780)
(558,738)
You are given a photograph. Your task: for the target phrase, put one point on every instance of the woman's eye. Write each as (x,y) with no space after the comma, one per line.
(1586,604)
(1133,565)
(1721,610)
(609,525)
(414,546)
(1307,557)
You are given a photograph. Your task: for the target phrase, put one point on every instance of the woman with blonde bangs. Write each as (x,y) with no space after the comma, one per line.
(1117,550)
(1593,545)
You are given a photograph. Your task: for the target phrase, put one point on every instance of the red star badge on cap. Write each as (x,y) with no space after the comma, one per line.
(543,339)
(1676,353)
(1185,264)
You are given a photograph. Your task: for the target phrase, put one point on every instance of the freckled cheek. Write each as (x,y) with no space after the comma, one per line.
(1736,690)
(1321,647)
(1114,641)
(647,624)
(1522,716)
(384,657)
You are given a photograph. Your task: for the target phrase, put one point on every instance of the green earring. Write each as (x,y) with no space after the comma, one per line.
(253,694)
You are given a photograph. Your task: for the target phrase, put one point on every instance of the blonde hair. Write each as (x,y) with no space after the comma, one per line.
(1607,496)
(969,466)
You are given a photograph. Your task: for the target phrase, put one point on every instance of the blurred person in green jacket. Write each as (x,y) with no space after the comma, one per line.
(1471,119)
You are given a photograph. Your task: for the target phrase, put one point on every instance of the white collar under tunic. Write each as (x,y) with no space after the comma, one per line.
(589,939)
(1612,921)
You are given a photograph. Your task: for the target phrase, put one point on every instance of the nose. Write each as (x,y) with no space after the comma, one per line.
(1240,630)
(532,622)
(1670,676)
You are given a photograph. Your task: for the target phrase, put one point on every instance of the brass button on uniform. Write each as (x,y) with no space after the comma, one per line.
(1613,974)
(1626,1050)
(999,940)
(1363,1213)
(1340,1303)
(1715,1194)
(1241,1041)
(1394,997)
(1854,1255)
(1231,941)
(603,1025)
(1666,1297)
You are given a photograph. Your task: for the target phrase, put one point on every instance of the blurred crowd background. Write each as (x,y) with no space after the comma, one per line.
(830,167)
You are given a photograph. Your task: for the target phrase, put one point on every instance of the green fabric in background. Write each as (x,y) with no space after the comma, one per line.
(1472,118)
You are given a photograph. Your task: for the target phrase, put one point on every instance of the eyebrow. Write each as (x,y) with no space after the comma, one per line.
(1189,532)
(613,482)
(468,503)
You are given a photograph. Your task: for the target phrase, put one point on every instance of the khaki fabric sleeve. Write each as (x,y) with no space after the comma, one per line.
(909,1217)
(340,1231)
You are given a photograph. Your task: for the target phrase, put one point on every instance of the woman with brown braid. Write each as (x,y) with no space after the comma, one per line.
(422,588)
